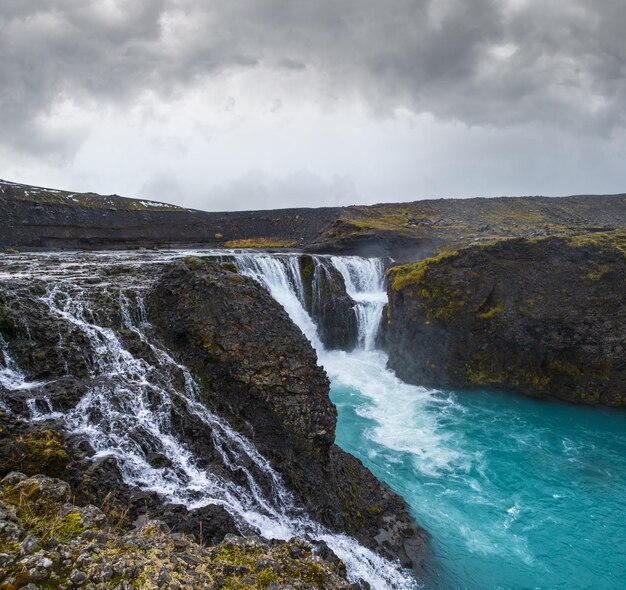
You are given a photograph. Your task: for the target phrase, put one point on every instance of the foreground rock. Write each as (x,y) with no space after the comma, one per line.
(261,373)
(46,541)
(545,318)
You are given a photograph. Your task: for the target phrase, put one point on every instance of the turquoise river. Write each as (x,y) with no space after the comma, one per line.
(516,493)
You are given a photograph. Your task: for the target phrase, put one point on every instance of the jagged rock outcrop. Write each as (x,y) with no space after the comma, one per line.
(328,303)
(544,317)
(261,373)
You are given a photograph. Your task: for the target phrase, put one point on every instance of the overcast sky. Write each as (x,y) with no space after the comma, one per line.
(234,104)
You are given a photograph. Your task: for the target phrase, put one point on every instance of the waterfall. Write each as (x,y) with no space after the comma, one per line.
(131,399)
(365,283)
(281,275)
(11,377)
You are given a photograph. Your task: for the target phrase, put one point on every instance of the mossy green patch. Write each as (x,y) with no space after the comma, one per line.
(492,312)
(42,516)
(415,272)
(483,370)
(598,273)
(606,241)
(45,453)
(442,302)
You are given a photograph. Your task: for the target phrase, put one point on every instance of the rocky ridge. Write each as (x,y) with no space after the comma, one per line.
(49,219)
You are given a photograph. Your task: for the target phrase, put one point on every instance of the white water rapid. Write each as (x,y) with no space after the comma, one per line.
(129,405)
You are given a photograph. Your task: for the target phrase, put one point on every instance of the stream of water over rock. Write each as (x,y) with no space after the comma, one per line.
(126,410)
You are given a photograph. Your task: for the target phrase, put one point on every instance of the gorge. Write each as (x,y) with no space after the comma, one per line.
(127,395)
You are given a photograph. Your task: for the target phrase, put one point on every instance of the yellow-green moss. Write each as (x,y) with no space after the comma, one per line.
(260,243)
(602,240)
(266,577)
(598,273)
(210,347)
(45,452)
(415,272)
(235,555)
(565,367)
(40,516)
(308,268)
(441,301)
(481,372)
(483,375)
(191,262)
(493,311)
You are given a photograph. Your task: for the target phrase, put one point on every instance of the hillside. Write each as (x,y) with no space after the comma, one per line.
(39,218)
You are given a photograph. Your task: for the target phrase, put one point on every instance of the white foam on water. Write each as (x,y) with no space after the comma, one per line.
(408,425)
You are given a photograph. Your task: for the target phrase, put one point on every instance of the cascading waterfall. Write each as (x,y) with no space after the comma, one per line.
(127,408)
(11,377)
(281,275)
(365,283)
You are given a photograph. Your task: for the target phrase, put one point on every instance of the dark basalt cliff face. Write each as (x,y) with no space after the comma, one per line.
(545,318)
(261,373)
(329,304)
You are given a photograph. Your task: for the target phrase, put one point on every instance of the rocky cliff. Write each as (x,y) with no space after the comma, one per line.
(543,317)
(180,392)
(262,374)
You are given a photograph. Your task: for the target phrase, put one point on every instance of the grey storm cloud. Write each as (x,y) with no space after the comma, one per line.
(481,62)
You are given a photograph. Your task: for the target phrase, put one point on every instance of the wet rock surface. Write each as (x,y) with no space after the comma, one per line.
(88,337)
(329,304)
(45,448)
(544,317)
